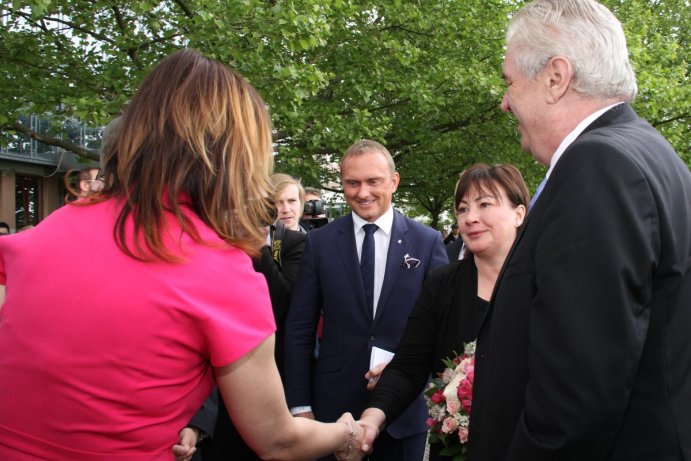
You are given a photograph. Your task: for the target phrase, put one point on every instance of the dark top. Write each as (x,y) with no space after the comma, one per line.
(450,239)
(447,314)
(280,276)
(453,249)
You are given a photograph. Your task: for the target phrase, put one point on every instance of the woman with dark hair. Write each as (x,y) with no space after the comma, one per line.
(109,358)
(490,204)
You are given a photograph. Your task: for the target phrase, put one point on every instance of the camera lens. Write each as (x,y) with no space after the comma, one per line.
(313,207)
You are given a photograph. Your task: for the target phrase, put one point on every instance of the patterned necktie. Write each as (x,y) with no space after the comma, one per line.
(537,193)
(367,263)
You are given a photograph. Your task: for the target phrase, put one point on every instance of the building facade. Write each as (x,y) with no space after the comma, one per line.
(32,173)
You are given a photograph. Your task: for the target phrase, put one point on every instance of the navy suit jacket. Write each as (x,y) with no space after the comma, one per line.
(329,280)
(584,353)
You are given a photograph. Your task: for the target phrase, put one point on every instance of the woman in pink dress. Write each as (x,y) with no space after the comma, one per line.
(121,310)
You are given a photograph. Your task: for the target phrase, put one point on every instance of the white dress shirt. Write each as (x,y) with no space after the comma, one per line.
(382,236)
(571,137)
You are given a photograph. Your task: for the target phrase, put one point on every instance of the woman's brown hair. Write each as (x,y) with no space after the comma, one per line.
(484,177)
(195,134)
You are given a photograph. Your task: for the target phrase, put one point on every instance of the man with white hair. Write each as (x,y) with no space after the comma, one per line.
(584,353)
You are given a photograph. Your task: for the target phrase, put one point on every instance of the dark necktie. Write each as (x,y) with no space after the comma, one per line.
(367,264)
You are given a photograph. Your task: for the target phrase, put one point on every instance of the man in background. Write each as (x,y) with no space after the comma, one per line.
(453,235)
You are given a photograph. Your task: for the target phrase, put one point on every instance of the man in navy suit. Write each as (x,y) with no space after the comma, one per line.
(584,352)
(365,291)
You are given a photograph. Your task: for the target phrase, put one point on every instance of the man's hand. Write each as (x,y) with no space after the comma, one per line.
(373,375)
(371,421)
(187,444)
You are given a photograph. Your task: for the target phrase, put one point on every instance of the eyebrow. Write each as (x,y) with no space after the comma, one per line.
(373,178)
(480,198)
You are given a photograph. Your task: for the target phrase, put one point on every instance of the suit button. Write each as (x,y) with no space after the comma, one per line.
(371,338)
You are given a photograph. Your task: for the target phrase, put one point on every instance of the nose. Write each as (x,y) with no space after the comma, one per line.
(283,208)
(505,107)
(363,191)
(471,215)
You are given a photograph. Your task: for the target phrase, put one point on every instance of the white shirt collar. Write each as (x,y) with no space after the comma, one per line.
(571,137)
(385,222)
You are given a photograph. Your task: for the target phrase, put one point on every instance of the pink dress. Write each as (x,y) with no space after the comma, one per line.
(103,357)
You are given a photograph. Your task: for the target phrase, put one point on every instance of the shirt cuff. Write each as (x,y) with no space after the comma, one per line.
(296,410)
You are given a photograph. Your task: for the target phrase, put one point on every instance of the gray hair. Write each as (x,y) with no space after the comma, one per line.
(583,31)
(366,146)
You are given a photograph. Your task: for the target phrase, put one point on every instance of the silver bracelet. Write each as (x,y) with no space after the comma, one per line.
(352,434)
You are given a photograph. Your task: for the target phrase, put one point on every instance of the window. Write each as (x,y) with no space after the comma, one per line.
(27,201)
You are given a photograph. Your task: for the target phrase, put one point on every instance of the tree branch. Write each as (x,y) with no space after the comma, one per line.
(184,8)
(51,141)
(410,31)
(671,120)
(131,51)
(69,24)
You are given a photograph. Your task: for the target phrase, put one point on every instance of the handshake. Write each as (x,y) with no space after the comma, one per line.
(350,440)
(346,438)
(362,434)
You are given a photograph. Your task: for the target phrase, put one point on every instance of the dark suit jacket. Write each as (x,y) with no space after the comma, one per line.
(330,279)
(453,249)
(446,315)
(585,353)
(281,279)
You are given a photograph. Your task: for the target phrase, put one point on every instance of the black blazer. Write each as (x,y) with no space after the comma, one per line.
(446,315)
(453,249)
(281,278)
(584,354)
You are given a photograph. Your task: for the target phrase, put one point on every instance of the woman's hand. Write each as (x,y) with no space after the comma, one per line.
(351,449)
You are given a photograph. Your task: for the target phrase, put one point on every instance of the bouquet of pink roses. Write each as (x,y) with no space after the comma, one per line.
(449,399)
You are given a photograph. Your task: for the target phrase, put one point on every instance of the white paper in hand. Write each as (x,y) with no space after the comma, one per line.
(379,356)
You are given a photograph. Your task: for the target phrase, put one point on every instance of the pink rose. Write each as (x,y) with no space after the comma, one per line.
(438,396)
(466,404)
(470,373)
(465,388)
(464,391)
(452,406)
(449,425)
(463,434)
(431,422)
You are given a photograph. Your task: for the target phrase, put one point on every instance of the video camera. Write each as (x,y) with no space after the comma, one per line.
(311,218)
(313,207)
